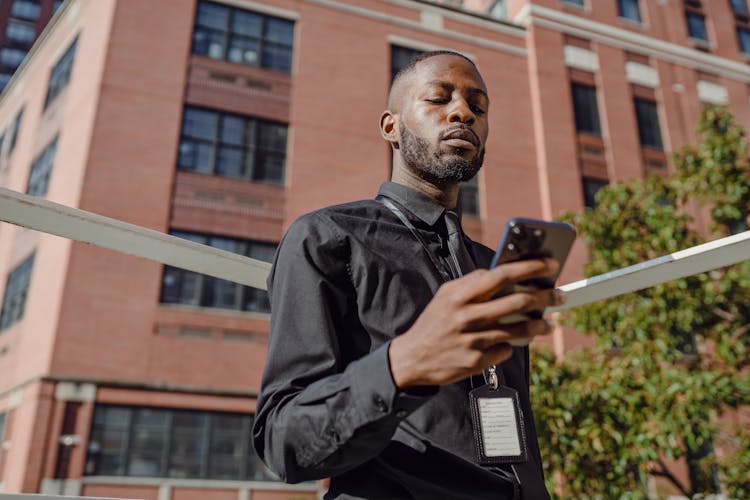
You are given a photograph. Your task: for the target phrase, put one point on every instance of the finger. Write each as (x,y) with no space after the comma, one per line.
(514,334)
(482,284)
(480,314)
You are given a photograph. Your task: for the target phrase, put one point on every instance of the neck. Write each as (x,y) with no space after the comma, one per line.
(446,195)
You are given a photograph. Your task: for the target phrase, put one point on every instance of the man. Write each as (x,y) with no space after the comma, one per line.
(376,337)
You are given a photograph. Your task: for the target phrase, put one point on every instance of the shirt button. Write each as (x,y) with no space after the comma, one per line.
(401,413)
(380,404)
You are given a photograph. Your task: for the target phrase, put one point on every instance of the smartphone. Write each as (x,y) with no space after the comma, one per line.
(533,239)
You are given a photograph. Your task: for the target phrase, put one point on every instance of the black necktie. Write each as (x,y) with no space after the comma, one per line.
(460,258)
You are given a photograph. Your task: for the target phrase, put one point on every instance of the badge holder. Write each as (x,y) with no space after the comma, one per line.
(498,423)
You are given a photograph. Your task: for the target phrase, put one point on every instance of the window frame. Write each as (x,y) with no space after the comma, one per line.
(17,286)
(590,114)
(40,172)
(164,456)
(227,35)
(621,9)
(60,73)
(205,288)
(254,154)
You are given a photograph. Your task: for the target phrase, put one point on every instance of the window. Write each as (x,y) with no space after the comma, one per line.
(3,422)
(12,57)
(186,287)
(60,74)
(499,9)
(244,37)
(468,196)
(648,123)
(590,187)
(696,24)
(743,37)
(16,289)
(230,145)
(4,79)
(158,442)
(585,109)
(20,32)
(15,126)
(577,3)
(26,9)
(400,57)
(629,9)
(41,169)
(739,6)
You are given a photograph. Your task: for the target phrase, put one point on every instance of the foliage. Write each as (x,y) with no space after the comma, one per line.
(668,363)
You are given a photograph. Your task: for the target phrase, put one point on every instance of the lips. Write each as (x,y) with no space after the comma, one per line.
(463,138)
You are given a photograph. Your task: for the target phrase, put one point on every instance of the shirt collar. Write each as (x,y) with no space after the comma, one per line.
(419,204)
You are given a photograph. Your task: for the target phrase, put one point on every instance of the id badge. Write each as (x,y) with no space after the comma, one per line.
(498,425)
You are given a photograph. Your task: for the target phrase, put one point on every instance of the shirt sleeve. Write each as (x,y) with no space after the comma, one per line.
(320,414)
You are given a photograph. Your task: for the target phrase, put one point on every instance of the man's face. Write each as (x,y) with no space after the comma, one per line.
(443,126)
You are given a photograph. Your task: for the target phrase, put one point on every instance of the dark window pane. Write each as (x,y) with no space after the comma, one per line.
(185,287)
(233,130)
(20,32)
(200,124)
(16,290)
(247,23)
(629,9)
(15,127)
(60,74)
(12,57)
(26,9)
(586,109)
(209,43)
(648,123)
(279,31)
(4,79)
(243,37)
(155,442)
(696,26)
(743,36)
(578,3)
(41,170)
(469,197)
(211,15)
(244,50)
(590,188)
(148,440)
(188,451)
(229,162)
(400,57)
(739,6)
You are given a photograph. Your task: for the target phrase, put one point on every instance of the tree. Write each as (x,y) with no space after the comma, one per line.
(669,363)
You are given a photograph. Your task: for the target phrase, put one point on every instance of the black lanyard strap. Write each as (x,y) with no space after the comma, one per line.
(406,222)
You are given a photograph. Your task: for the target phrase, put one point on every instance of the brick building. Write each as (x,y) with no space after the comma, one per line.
(21,22)
(222,121)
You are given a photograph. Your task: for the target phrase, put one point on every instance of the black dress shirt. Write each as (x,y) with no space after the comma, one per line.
(346,280)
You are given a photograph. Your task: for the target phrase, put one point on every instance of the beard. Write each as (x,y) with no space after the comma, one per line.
(436,166)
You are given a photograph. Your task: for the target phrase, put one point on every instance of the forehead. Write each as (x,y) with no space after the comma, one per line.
(453,70)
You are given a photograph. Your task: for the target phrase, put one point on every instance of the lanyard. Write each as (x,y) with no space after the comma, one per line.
(440,267)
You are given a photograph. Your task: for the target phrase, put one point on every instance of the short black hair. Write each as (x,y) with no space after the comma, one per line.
(427,55)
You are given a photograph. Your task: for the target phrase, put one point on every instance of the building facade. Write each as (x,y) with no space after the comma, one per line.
(221,122)
(21,22)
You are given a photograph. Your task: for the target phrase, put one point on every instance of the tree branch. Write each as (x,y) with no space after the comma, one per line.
(664,472)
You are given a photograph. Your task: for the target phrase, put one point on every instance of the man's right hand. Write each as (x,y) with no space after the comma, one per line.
(459,332)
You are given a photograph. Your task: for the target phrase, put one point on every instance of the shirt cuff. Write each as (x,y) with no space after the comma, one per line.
(377,393)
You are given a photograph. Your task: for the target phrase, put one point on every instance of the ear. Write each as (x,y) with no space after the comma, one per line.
(389,127)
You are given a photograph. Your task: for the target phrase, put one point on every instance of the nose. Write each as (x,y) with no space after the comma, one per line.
(460,112)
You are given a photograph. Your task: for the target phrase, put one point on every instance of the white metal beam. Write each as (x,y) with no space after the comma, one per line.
(49,217)
(79,225)
(698,259)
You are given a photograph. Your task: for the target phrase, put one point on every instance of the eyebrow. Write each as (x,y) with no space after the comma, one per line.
(450,86)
